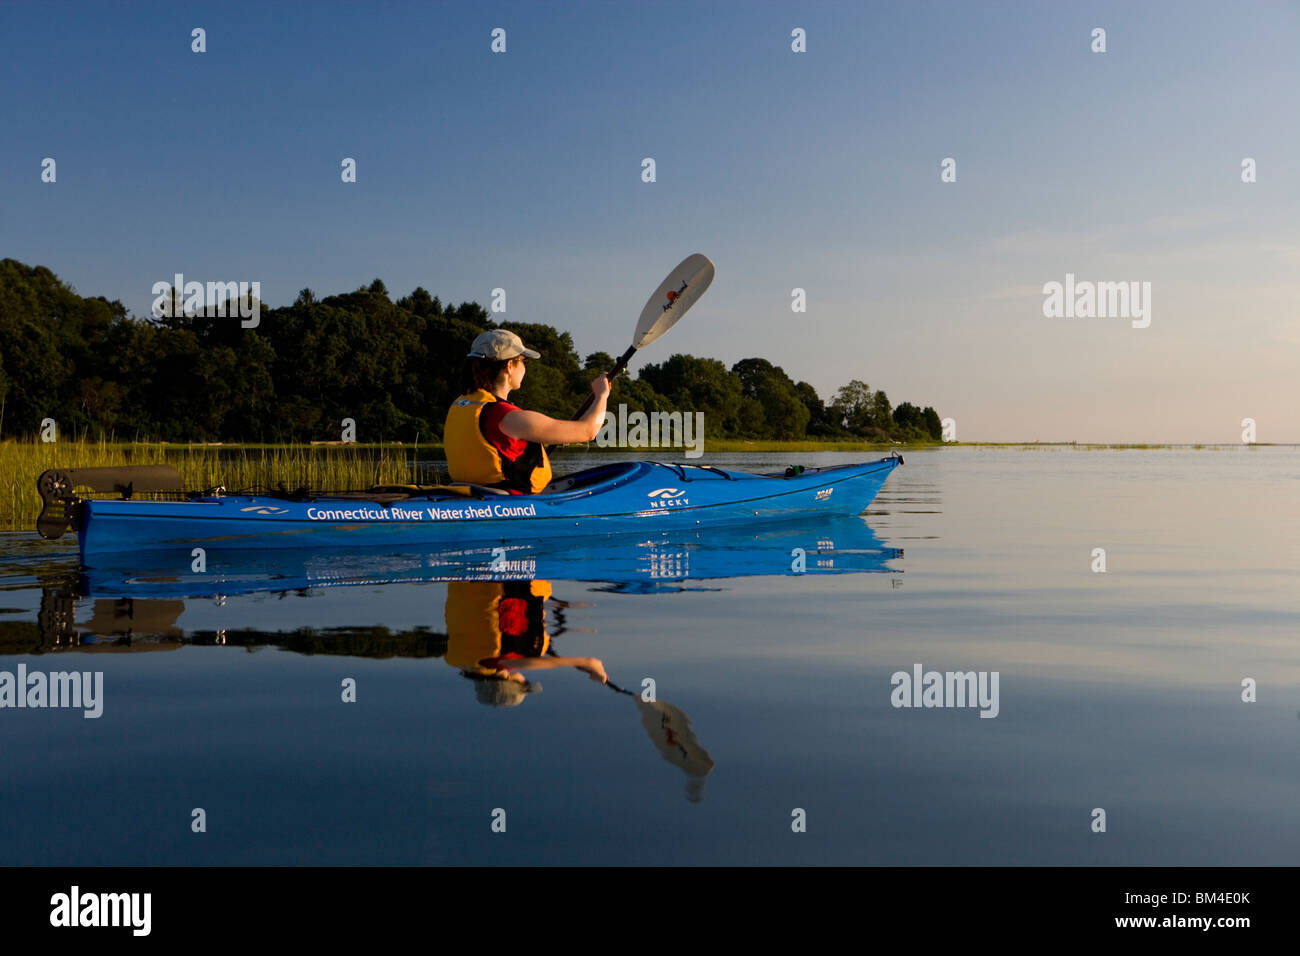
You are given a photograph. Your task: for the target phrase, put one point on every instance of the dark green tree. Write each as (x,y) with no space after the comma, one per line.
(851,408)
(393,367)
(771,406)
(699,384)
(933,424)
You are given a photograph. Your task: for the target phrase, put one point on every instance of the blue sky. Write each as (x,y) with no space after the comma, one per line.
(817,170)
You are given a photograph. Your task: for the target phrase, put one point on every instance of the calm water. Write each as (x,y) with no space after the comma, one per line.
(1119,690)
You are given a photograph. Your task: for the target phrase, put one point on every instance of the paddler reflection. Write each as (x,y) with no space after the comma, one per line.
(496,630)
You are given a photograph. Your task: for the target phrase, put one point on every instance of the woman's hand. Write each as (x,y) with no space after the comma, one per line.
(594,669)
(600,387)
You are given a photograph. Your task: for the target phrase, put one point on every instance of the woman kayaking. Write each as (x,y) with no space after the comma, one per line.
(491,442)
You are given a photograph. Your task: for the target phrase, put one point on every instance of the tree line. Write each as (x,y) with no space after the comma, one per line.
(393,367)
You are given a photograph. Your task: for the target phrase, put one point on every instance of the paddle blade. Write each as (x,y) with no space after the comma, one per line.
(674,296)
(670,731)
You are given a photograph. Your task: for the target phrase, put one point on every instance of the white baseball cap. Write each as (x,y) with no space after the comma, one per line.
(498,344)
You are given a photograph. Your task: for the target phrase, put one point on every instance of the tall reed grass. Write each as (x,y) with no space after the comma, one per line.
(236,467)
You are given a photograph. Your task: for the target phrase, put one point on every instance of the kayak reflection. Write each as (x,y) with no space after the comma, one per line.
(614,563)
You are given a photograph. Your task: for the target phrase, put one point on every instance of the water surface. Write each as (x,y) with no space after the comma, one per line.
(1119,690)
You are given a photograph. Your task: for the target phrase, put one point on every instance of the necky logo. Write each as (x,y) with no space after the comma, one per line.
(667,497)
(265,509)
(665,493)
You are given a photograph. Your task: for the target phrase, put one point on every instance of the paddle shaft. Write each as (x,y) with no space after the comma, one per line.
(612,374)
(612,686)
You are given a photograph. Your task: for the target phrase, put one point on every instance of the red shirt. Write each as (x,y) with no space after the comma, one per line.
(489,423)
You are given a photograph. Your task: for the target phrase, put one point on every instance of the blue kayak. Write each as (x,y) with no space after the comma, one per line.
(639,497)
(632,564)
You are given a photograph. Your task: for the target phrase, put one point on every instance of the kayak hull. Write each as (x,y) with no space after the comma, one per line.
(636,497)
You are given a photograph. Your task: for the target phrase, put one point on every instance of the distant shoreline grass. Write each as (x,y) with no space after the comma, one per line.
(1093,446)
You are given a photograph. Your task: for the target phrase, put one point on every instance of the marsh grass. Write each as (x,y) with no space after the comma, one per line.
(236,467)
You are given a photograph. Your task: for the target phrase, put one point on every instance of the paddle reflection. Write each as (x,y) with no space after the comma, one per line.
(498,630)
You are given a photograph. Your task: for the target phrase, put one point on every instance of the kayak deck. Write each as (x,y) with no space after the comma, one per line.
(615,498)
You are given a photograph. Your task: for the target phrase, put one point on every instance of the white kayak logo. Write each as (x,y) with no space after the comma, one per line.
(265,510)
(665,493)
(667,497)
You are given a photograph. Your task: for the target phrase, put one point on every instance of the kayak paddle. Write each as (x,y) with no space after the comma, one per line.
(675,295)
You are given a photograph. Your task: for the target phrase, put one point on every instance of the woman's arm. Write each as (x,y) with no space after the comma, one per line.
(536,427)
(593,667)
